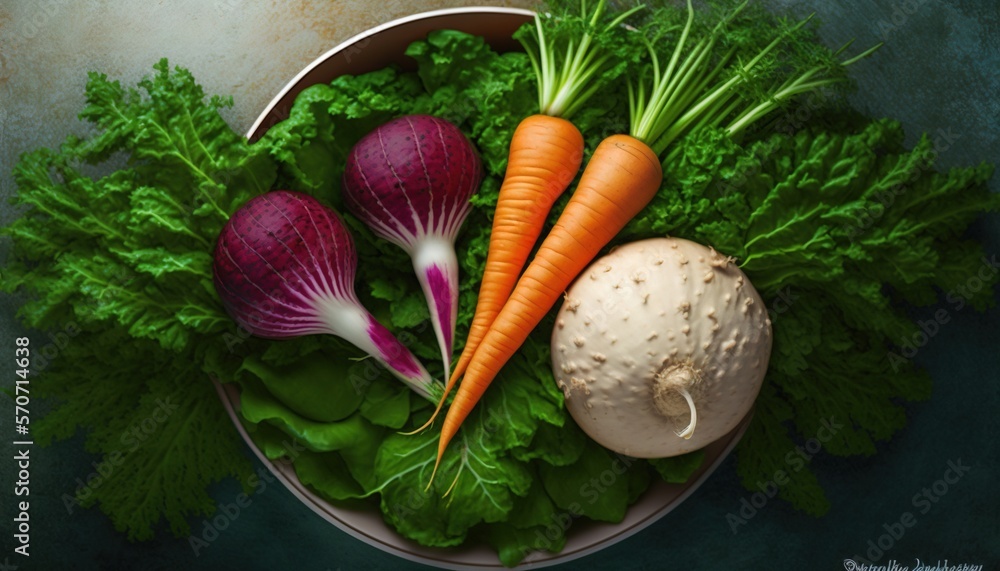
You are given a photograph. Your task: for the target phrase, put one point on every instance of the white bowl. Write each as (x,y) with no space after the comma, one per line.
(375,49)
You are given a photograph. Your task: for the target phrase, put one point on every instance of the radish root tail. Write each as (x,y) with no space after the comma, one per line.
(669,385)
(429,420)
(688,432)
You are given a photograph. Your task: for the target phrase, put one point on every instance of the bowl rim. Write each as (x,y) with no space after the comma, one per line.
(322,58)
(229,393)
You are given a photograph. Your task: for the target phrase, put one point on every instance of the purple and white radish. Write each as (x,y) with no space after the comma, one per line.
(410,181)
(284,267)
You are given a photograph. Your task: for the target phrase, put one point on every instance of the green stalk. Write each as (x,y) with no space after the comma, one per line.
(672,87)
(692,93)
(567,75)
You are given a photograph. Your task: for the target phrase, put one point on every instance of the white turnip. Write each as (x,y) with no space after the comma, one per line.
(660,347)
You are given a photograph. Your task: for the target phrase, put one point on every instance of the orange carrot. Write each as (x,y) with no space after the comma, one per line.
(544,157)
(621,178)
(545,154)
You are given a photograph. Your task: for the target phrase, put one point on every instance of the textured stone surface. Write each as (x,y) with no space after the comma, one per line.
(937,73)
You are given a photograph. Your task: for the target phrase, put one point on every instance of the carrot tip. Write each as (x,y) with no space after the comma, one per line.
(433,472)
(430,420)
(421,428)
(452,486)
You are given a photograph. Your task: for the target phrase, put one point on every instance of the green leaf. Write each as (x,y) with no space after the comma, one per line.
(765,450)
(257,405)
(559,446)
(513,544)
(318,386)
(161,441)
(327,473)
(409,311)
(485,485)
(598,486)
(274,443)
(485,479)
(678,469)
(387,403)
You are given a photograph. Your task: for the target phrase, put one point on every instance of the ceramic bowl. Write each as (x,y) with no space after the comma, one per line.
(375,49)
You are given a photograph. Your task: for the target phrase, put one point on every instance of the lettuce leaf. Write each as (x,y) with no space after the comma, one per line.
(483,476)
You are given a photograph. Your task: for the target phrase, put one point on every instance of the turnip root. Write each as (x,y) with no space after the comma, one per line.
(660,347)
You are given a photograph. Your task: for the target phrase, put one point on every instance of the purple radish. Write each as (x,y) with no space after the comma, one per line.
(410,181)
(284,267)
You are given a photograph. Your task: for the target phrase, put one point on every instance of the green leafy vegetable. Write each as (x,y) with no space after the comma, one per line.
(487,478)
(162,439)
(535,524)
(739,70)
(386,404)
(328,474)
(599,486)
(124,261)
(121,265)
(575,54)
(304,386)
(678,469)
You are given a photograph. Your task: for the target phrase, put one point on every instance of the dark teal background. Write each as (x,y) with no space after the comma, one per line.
(939,70)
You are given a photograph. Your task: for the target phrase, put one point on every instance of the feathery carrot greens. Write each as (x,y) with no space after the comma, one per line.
(575,52)
(730,78)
